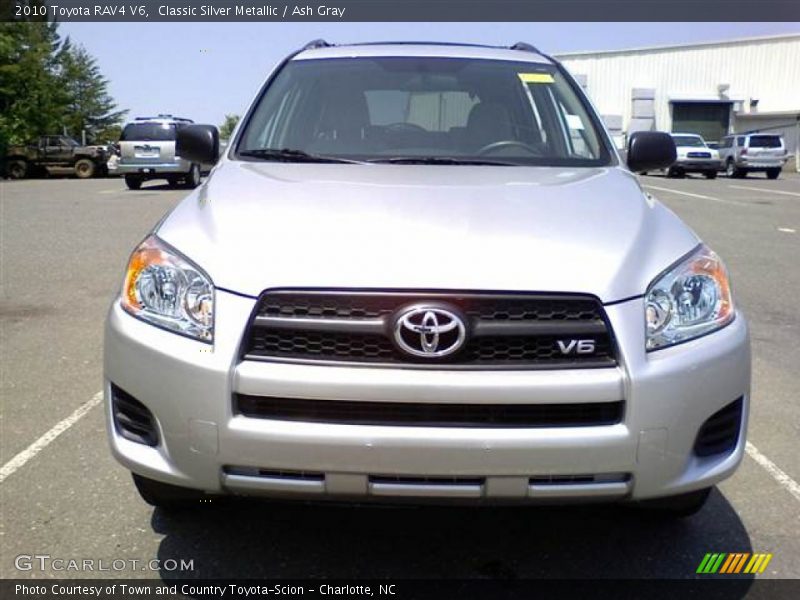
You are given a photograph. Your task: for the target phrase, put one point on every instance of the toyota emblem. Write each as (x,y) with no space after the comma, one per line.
(429,331)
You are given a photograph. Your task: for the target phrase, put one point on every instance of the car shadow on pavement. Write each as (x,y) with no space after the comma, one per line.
(258,539)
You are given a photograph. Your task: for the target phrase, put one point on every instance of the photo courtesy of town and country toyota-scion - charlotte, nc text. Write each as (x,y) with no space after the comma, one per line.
(216,591)
(165,10)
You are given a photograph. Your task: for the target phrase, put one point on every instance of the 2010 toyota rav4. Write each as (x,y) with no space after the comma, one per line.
(422,272)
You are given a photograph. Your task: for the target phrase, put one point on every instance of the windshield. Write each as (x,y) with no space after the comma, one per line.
(148,132)
(447,110)
(689,140)
(765,141)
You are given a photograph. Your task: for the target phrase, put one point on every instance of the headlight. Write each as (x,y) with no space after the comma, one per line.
(691,299)
(166,289)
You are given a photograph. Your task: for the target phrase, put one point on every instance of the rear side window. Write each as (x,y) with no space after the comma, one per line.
(148,132)
(765,141)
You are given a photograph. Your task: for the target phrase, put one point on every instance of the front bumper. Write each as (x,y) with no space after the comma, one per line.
(698,164)
(204,444)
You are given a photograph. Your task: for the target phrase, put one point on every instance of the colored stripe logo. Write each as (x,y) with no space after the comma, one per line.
(733,563)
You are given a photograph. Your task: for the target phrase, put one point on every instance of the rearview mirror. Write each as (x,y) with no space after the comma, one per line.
(650,150)
(198,143)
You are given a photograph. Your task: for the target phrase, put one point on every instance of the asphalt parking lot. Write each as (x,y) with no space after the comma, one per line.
(63,247)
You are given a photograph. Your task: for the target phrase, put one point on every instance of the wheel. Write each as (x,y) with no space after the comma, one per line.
(681,506)
(166,496)
(773,173)
(134,182)
(676,172)
(192,178)
(84,168)
(732,171)
(17,169)
(710,174)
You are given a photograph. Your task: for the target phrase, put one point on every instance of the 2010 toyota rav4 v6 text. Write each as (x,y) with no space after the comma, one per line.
(422,272)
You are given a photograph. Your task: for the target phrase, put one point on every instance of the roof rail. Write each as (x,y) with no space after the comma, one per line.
(316,44)
(525,47)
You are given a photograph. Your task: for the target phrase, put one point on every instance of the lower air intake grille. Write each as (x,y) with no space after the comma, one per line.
(720,433)
(423,414)
(132,419)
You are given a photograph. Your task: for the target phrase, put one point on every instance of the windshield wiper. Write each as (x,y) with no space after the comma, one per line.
(441,160)
(292,155)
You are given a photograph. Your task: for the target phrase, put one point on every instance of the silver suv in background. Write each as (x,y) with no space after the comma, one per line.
(751,153)
(147,151)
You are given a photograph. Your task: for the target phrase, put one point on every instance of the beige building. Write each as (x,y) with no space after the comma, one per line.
(710,88)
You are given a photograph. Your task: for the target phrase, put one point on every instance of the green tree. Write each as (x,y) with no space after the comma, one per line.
(89,106)
(227,127)
(48,85)
(31,99)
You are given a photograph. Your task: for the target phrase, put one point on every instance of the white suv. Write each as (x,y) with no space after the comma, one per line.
(422,272)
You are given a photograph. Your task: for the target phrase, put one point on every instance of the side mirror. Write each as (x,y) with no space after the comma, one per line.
(198,143)
(650,150)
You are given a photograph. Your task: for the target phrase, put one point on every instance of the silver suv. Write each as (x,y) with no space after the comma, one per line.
(422,272)
(147,151)
(752,153)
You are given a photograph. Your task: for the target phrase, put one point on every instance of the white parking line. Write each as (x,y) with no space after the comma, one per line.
(702,197)
(787,230)
(20,459)
(777,474)
(755,189)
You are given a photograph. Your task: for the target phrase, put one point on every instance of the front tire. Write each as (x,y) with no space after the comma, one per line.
(17,169)
(676,507)
(165,496)
(773,173)
(676,172)
(193,177)
(84,168)
(134,182)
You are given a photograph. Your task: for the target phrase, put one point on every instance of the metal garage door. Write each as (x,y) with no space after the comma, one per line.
(708,119)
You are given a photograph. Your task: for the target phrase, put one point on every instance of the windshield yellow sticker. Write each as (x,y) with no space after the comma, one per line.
(536,77)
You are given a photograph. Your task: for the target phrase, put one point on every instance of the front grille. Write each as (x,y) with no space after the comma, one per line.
(720,433)
(424,414)
(698,154)
(504,330)
(132,419)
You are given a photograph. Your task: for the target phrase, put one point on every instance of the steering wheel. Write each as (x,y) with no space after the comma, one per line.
(494,146)
(403,126)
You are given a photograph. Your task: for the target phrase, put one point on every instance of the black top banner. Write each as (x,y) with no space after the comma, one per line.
(400,10)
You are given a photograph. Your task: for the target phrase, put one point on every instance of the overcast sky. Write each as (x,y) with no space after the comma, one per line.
(204,70)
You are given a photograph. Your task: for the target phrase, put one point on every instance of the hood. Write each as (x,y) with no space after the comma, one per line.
(258,225)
